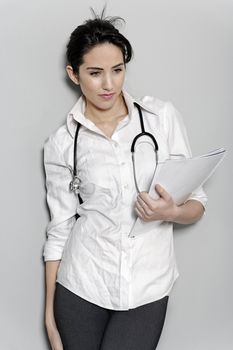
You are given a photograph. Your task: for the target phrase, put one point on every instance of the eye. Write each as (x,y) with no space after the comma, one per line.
(94,74)
(118,70)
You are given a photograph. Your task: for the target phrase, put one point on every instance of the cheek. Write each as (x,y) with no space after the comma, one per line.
(89,85)
(121,80)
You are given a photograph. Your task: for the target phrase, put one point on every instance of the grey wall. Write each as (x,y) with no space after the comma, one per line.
(183,53)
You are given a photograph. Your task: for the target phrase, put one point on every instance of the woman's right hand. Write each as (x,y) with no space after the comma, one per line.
(54,338)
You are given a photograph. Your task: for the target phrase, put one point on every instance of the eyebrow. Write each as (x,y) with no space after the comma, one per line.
(98,68)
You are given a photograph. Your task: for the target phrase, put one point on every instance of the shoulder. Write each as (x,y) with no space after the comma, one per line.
(58,143)
(59,137)
(153,103)
(163,108)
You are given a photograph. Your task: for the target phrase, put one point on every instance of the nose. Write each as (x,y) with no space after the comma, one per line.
(107,82)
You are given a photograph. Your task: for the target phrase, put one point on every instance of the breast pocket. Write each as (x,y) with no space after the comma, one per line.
(96,164)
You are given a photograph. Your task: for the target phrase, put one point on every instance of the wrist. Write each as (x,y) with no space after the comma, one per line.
(176,212)
(50,325)
(49,320)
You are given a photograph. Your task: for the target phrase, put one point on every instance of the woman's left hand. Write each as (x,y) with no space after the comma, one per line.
(149,209)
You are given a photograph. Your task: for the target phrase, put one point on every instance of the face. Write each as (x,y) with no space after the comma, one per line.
(101,76)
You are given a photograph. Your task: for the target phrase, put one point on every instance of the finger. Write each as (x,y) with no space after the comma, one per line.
(141,202)
(139,213)
(144,207)
(142,216)
(144,196)
(139,207)
(162,192)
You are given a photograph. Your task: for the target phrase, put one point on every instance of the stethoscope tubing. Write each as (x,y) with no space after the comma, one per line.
(74,184)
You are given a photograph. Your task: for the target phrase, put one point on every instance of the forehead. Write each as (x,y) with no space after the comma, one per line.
(103,54)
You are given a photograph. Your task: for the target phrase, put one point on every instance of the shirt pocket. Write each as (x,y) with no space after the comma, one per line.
(96,165)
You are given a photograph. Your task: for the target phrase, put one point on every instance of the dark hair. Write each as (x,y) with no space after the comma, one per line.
(94,32)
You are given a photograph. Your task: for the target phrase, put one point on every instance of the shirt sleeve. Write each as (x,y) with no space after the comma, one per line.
(61,201)
(179,144)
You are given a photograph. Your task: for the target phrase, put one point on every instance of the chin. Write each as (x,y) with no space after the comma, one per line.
(106,104)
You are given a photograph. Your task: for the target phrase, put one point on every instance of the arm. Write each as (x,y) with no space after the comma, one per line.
(164,208)
(61,202)
(51,268)
(189,212)
(178,143)
(62,206)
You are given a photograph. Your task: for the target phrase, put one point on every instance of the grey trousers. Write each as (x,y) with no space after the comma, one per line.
(85,326)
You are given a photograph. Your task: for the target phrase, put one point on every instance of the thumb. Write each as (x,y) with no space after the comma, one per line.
(162,192)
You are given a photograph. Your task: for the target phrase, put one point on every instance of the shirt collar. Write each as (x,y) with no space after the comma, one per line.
(77,112)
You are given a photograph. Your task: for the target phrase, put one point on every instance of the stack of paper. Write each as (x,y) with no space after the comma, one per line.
(180,177)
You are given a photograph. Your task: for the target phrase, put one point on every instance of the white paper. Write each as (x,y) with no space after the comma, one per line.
(180,177)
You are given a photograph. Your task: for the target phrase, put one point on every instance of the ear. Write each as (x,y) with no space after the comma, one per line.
(73,76)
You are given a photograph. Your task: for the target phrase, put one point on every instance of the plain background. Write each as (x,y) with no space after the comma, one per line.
(183,53)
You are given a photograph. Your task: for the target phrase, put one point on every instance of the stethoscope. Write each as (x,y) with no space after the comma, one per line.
(74,184)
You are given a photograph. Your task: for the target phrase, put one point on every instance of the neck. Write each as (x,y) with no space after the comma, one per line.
(100,115)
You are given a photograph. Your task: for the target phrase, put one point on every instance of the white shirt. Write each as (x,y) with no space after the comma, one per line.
(99,261)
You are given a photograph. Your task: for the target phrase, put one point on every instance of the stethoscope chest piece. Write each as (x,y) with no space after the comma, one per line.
(74,185)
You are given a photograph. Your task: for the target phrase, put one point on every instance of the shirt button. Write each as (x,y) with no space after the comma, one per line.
(122,163)
(126,186)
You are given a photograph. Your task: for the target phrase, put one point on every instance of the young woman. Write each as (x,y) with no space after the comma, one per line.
(107,289)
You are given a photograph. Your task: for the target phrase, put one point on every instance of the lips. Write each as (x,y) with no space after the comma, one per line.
(107,96)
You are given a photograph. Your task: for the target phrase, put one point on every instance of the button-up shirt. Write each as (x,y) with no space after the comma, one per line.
(101,260)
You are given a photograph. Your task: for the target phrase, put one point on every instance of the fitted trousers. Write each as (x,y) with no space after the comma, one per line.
(85,326)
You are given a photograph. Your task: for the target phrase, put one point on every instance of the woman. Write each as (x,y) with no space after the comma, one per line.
(106,288)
